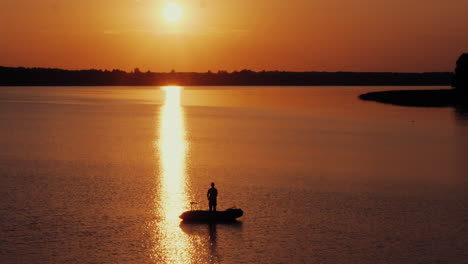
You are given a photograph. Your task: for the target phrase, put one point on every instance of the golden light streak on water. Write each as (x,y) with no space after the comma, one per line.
(173,147)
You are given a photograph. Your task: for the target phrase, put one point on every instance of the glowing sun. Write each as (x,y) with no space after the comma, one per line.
(172,12)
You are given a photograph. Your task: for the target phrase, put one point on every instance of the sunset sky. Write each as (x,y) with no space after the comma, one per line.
(294,35)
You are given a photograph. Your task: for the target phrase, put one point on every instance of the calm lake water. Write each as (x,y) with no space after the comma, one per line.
(100,175)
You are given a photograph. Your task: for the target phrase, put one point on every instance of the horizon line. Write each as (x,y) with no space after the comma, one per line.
(136,69)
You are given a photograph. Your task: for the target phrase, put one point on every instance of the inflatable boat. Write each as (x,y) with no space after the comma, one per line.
(208,216)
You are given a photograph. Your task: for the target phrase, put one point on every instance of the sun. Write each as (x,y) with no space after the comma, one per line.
(172,12)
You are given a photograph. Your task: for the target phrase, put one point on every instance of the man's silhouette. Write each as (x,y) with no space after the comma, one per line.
(212,194)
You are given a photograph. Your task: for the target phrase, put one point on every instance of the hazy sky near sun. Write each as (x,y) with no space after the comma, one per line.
(293,35)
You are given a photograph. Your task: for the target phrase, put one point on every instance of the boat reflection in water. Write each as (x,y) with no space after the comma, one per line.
(174,246)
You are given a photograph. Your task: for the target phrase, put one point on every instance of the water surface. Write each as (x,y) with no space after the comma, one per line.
(100,174)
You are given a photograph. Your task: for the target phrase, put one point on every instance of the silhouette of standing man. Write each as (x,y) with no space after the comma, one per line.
(212,194)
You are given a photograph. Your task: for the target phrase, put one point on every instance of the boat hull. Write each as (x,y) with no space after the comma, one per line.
(208,216)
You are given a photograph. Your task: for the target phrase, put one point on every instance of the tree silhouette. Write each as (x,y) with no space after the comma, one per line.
(460,80)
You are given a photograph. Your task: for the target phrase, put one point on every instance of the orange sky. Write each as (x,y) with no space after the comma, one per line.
(293,35)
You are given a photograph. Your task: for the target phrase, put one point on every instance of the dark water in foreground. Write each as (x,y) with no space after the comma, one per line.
(100,175)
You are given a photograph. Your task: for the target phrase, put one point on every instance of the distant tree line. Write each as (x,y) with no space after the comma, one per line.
(45,76)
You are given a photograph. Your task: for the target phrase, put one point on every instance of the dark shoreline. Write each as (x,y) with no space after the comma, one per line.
(456,98)
(419,98)
(20,76)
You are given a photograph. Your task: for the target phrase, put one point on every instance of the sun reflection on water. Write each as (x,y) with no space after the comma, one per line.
(175,245)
